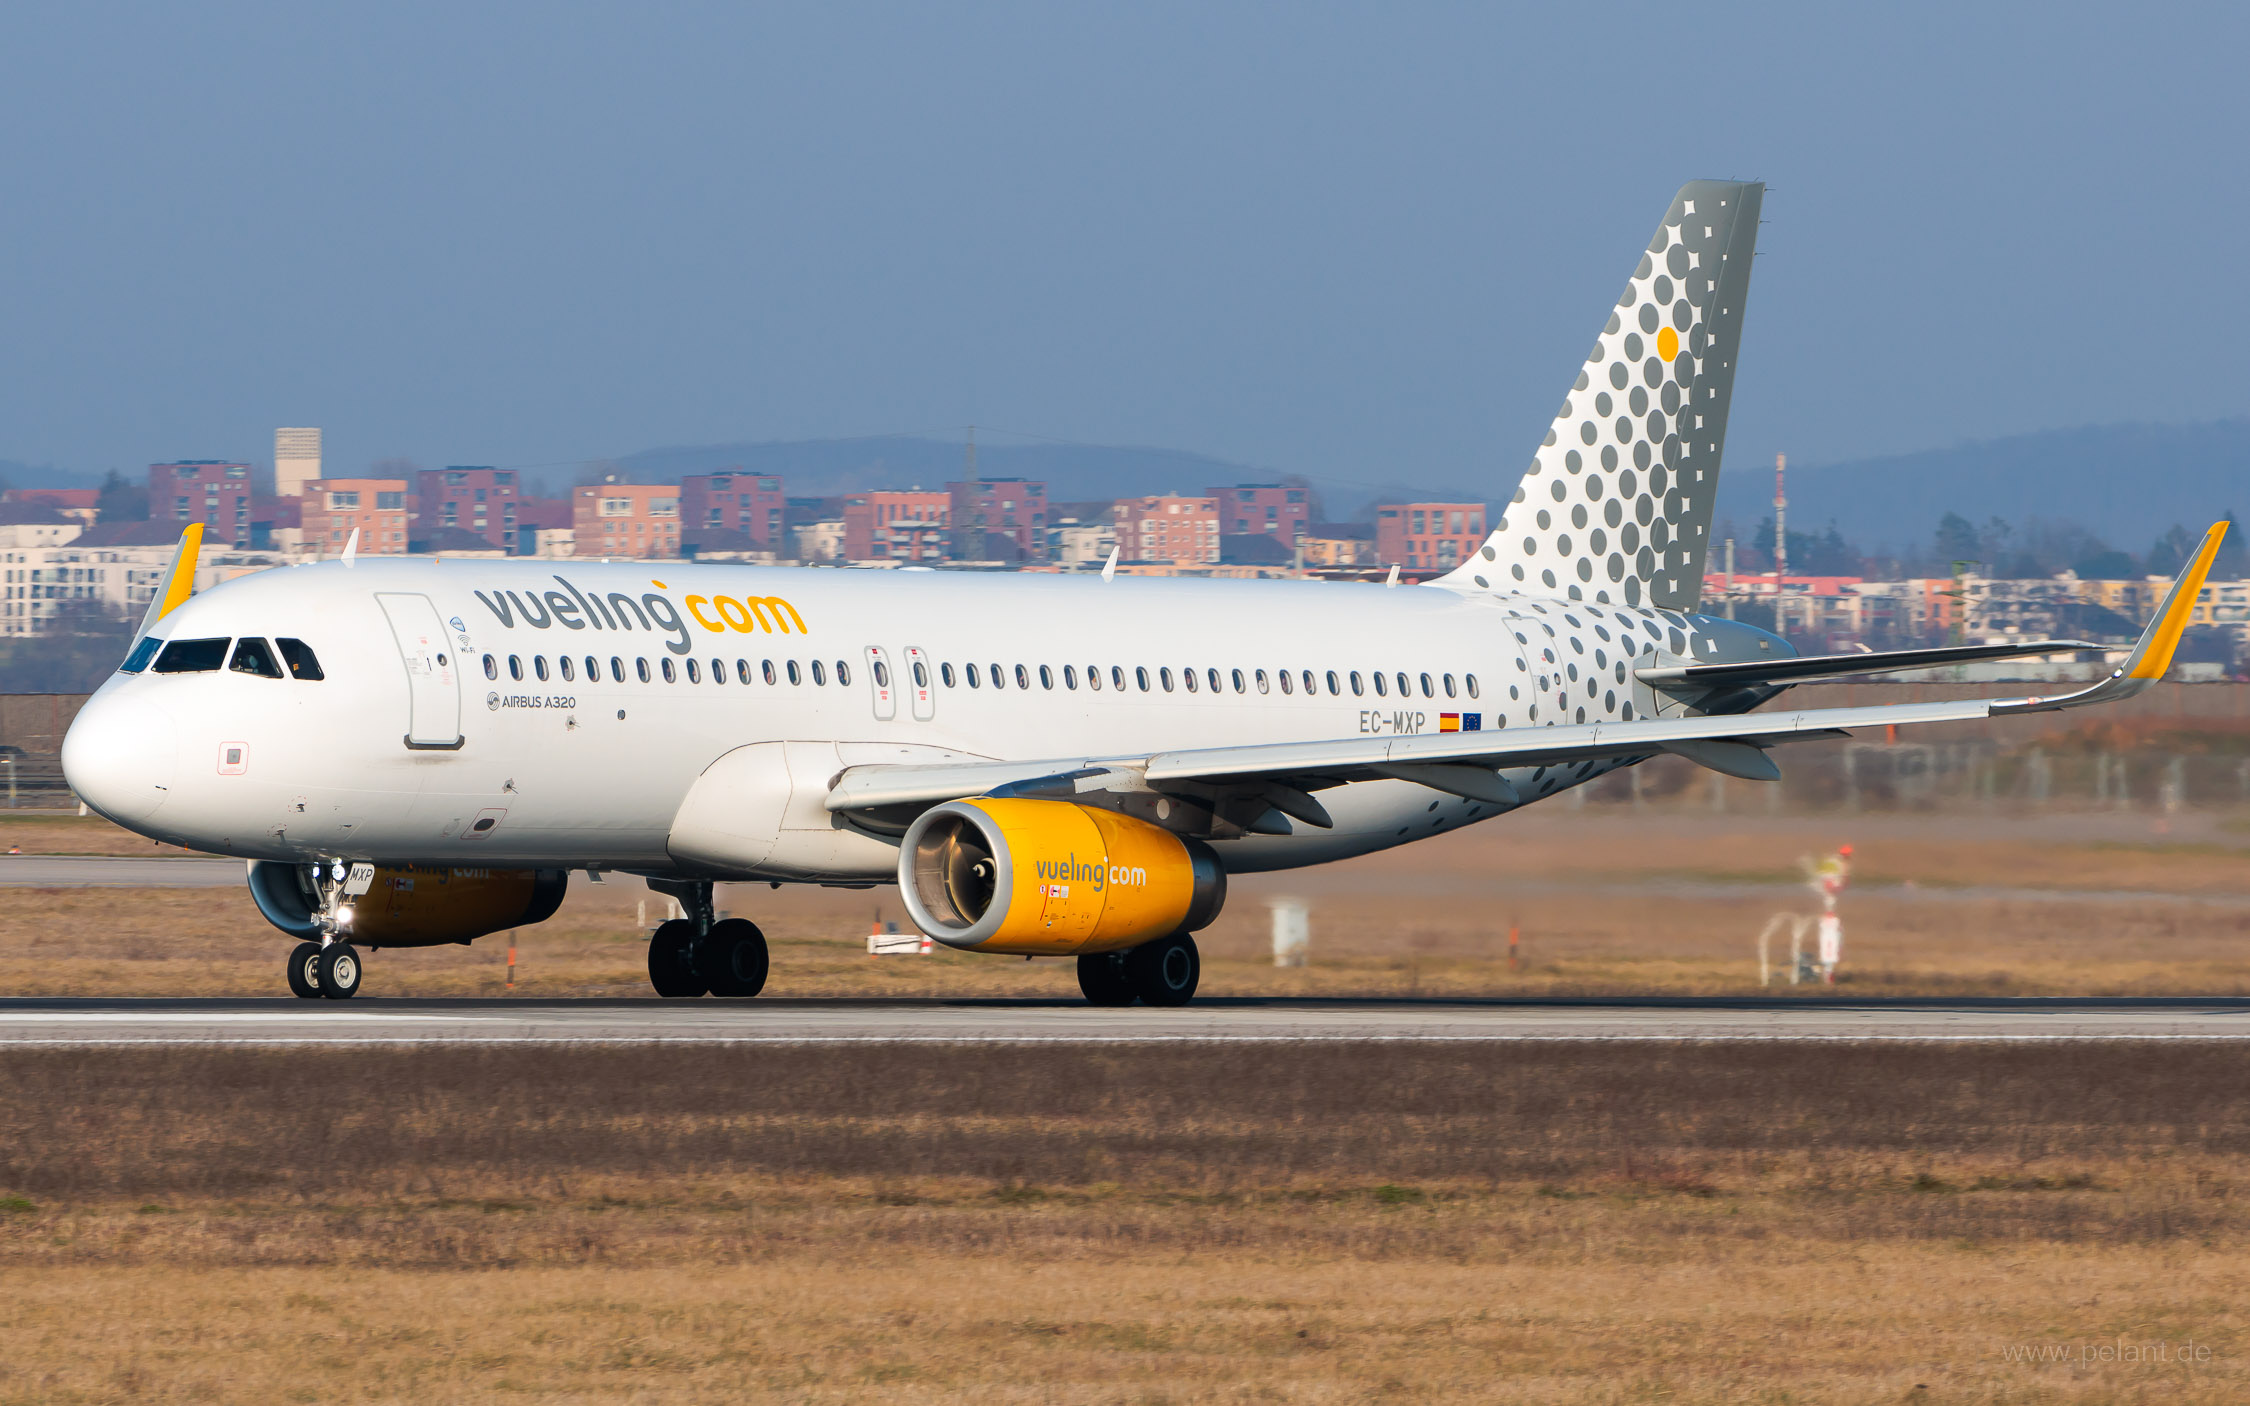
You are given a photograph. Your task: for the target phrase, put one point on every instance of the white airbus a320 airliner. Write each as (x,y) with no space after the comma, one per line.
(412,751)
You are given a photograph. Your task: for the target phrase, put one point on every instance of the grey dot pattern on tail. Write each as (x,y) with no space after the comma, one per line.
(1615,508)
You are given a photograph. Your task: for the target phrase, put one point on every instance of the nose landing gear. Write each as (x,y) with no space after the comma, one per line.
(701,953)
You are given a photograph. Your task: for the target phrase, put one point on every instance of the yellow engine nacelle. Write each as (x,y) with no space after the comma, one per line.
(1049,878)
(411,905)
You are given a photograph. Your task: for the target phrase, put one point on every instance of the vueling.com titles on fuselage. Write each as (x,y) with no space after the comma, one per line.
(619,610)
(1100,875)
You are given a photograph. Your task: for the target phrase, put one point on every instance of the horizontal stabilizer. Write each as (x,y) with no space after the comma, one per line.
(1805,668)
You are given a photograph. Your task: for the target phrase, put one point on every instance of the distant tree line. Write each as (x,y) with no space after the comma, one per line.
(2041,547)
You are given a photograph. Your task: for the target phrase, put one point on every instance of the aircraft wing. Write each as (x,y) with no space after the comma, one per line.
(1470,764)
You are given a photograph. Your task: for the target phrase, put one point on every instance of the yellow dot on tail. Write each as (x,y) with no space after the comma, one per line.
(1668,344)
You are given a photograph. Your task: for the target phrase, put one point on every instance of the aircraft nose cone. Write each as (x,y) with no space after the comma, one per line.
(120,756)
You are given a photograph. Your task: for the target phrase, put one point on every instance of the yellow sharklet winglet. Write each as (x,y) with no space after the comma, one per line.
(179,581)
(2153,655)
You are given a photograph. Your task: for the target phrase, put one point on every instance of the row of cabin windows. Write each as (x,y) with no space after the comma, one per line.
(250,655)
(566,669)
(1193,681)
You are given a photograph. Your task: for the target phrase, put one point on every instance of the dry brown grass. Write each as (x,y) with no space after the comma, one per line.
(1606,903)
(1161,1223)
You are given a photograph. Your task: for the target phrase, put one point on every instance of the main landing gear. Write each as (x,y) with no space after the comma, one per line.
(1160,973)
(702,953)
(332,971)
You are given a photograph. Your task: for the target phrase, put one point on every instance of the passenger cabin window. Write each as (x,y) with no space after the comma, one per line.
(539,667)
(254,656)
(694,672)
(515,667)
(192,656)
(302,662)
(671,675)
(142,653)
(945,674)
(491,667)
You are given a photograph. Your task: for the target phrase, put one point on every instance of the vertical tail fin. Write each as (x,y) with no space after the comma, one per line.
(1616,506)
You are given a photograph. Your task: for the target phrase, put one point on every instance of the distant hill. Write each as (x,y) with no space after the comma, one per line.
(2127,483)
(16,474)
(823,467)
(1073,472)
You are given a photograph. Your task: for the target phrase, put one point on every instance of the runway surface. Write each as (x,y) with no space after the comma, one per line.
(61,1021)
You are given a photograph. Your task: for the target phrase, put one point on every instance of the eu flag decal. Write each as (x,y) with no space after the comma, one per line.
(1472,722)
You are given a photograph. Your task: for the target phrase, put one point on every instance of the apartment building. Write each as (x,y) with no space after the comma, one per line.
(377,508)
(1014,508)
(732,501)
(911,527)
(480,501)
(1428,536)
(213,492)
(1169,528)
(37,584)
(625,520)
(1338,544)
(1267,509)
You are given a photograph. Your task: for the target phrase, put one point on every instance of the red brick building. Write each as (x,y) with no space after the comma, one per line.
(912,526)
(465,498)
(1174,529)
(1428,536)
(1262,508)
(625,520)
(1013,508)
(733,501)
(210,491)
(377,507)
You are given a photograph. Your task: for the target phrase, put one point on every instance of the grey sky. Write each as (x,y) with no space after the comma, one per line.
(1369,243)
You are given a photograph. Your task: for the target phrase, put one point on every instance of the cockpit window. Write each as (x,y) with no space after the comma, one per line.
(192,656)
(142,653)
(301,661)
(254,656)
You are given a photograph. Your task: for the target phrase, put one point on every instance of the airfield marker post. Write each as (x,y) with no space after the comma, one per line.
(1292,932)
(511,961)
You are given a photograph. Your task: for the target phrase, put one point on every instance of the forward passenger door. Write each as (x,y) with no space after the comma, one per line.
(433,679)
